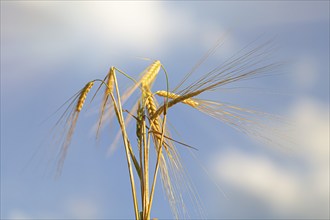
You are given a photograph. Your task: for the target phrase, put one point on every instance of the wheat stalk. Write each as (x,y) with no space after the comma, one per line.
(128,150)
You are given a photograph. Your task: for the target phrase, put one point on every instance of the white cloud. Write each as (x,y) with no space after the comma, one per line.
(288,191)
(73,208)
(18,214)
(118,26)
(259,176)
(83,208)
(41,36)
(21,214)
(312,122)
(130,25)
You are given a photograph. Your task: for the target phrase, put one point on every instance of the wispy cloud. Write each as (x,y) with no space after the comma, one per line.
(17,214)
(44,36)
(72,208)
(287,190)
(83,208)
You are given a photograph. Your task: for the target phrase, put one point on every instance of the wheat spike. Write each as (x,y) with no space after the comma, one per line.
(71,121)
(108,90)
(171,95)
(152,108)
(150,74)
(83,95)
(178,99)
(146,81)
(110,81)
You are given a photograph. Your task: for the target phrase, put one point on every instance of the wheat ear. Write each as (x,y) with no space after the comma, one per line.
(175,101)
(109,89)
(150,75)
(83,95)
(72,121)
(171,95)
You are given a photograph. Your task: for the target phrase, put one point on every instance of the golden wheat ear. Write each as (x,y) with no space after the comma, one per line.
(83,95)
(147,77)
(109,82)
(189,101)
(150,74)
(70,124)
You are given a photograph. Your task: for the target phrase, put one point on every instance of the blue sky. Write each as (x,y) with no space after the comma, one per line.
(50,49)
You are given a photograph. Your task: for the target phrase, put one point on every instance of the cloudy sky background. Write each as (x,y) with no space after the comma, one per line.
(50,49)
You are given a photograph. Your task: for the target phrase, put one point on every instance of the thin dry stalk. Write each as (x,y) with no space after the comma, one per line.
(119,113)
(159,153)
(146,171)
(139,133)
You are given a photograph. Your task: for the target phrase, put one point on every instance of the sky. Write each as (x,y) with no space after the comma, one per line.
(50,49)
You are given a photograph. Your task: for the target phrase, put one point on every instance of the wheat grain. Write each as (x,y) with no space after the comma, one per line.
(83,95)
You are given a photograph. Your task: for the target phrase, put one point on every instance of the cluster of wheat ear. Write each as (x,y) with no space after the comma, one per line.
(150,119)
